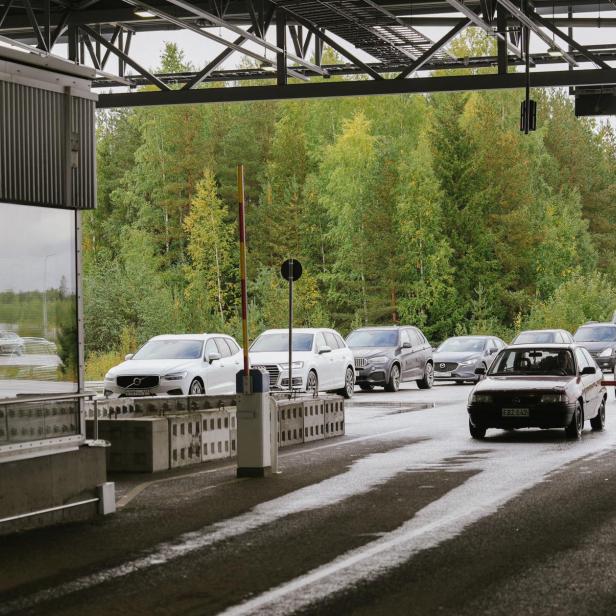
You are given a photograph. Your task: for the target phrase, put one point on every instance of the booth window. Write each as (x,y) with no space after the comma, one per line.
(38,316)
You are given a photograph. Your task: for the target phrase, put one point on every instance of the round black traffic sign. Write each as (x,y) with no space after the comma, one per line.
(291,269)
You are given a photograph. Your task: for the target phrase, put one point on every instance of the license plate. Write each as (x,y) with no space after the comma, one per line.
(515,412)
(441,374)
(136,393)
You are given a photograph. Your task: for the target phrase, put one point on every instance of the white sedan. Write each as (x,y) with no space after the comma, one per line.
(178,365)
(321,360)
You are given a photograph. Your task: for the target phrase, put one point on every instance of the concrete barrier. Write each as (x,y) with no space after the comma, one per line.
(159,433)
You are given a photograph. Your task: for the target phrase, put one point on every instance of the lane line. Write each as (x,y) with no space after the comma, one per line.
(137,490)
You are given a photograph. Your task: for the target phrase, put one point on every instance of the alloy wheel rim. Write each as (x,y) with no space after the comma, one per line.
(196,388)
(429,374)
(350,385)
(396,378)
(312,383)
(578,421)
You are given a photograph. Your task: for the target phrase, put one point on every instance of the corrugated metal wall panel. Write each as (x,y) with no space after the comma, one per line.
(33,146)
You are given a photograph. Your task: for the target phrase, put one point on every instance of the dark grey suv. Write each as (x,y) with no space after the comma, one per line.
(599,339)
(386,356)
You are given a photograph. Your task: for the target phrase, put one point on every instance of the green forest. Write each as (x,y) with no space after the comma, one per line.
(428,210)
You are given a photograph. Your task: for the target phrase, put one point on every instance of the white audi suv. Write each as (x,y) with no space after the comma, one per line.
(189,364)
(321,360)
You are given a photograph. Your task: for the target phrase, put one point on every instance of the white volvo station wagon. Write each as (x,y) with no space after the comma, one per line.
(179,365)
(321,360)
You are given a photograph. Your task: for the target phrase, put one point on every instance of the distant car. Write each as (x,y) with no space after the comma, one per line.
(321,360)
(178,365)
(11,343)
(544,336)
(539,386)
(40,346)
(457,357)
(387,356)
(599,339)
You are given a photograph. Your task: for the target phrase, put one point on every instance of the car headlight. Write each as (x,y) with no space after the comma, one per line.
(110,376)
(175,376)
(296,365)
(468,362)
(606,352)
(379,360)
(553,398)
(481,399)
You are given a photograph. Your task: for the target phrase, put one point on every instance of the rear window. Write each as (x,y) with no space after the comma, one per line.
(596,333)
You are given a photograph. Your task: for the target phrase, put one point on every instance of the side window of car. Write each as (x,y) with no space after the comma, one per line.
(211,347)
(223,348)
(582,362)
(404,337)
(415,338)
(589,358)
(319,341)
(232,346)
(330,341)
(341,342)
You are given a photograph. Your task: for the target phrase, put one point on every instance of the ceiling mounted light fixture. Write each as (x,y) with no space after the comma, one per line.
(554,51)
(144,13)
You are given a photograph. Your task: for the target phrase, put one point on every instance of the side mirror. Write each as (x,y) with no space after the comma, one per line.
(588,370)
(481,370)
(214,356)
(406,345)
(129,356)
(325,349)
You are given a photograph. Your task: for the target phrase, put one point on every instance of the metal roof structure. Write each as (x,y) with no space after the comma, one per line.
(383,43)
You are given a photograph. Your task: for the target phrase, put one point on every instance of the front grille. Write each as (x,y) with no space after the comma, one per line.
(517,399)
(138,382)
(274,373)
(441,366)
(360,362)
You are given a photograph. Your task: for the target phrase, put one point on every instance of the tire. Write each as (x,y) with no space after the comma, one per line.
(349,384)
(394,379)
(598,423)
(312,383)
(477,432)
(196,388)
(574,430)
(366,387)
(428,378)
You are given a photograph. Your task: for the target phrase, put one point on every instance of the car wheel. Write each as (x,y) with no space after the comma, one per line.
(477,432)
(366,387)
(428,378)
(574,430)
(394,379)
(312,383)
(196,388)
(349,384)
(598,423)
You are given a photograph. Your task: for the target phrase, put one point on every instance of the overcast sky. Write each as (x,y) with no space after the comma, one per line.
(36,248)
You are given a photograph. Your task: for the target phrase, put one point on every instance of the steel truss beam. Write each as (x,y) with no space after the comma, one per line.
(480,23)
(415,66)
(424,85)
(199,12)
(570,41)
(527,21)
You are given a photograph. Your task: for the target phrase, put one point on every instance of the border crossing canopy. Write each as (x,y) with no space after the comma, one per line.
(386,46)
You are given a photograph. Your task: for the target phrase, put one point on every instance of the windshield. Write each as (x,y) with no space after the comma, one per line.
(601,333)
(534,362)
(462,345)
(535,337)
(170,349)
(372,338)
(276,343)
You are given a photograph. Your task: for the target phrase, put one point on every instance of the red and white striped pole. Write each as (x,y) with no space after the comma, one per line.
(242,225)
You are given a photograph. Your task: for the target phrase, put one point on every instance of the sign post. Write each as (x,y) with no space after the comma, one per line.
(291,270)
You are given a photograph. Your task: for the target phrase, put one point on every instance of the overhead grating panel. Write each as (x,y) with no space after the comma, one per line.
(366,26)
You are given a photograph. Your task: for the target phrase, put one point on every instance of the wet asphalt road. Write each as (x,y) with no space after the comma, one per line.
(404,515)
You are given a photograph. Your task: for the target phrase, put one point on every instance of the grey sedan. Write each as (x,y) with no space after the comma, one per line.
(457,358)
